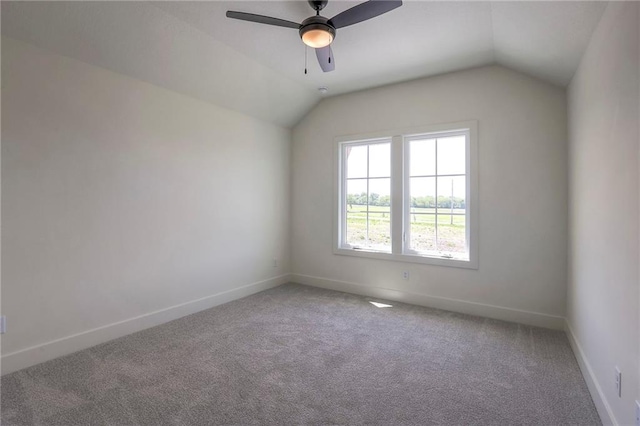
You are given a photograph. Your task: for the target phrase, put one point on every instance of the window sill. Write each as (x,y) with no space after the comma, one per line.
(410,258)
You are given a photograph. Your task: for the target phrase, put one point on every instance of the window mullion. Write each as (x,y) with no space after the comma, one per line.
(436,201)
(397,195)
(342,198)
(368,195)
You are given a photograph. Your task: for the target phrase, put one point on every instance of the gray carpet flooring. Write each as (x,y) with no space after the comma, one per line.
(301,355)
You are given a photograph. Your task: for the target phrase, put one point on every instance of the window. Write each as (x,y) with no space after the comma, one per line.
(409,196)
(367,185)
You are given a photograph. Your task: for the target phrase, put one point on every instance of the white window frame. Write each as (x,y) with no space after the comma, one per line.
(400,201)
(342,216)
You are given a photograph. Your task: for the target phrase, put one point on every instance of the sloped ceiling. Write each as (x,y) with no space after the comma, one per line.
(192,48)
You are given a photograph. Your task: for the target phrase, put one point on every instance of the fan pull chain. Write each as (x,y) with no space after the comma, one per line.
(305,58)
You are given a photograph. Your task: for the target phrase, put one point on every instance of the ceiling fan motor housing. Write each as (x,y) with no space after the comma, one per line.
(316,24)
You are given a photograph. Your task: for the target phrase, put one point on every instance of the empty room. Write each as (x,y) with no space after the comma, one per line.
(320,212)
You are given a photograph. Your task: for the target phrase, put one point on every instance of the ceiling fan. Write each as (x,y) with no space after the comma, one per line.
(319,32)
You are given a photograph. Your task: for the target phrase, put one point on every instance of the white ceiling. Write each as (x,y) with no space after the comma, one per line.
(192,48)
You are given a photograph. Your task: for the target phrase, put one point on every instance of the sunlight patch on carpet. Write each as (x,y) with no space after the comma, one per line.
(380,305)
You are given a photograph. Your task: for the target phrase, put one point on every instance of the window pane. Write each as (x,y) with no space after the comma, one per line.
(451,155)
(422,157)
(356,161)
(380,160)
(452,194)
(423,195)
(380,231)
(356,194)
(356,207)
(451,235)
(374,233)
(380,193)
(356,227)
(423,232)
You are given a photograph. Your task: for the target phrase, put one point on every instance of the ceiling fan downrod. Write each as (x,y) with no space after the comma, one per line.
(317,5)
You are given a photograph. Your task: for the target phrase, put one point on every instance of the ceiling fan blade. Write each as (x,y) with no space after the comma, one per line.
(261,19)
(363,11)
(325,58)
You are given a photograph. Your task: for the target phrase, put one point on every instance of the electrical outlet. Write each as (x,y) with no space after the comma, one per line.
(274,262)
(3,324)
(637,413)
(405,275)
(618,379)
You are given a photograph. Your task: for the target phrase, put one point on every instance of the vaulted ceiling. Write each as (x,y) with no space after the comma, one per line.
(192,48)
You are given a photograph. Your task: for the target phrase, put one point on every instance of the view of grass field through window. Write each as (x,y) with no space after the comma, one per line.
(437,191)
(437,187)
(368,173)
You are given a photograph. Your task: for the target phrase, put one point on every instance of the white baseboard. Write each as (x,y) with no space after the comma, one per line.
(455,305)
(599,399)
(47,351)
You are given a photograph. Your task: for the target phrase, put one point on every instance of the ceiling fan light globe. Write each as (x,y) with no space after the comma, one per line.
(317,32)
(317,38)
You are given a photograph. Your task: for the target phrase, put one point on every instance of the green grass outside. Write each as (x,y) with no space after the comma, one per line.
(451,228)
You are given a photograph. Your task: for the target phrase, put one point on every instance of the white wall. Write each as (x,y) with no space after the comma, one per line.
(603,296)
(121,199)
(522,199)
